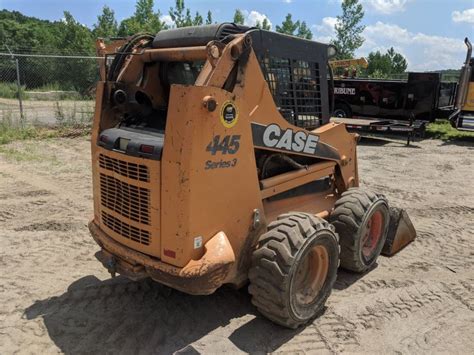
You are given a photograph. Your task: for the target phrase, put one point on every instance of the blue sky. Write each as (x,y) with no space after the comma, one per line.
(429,33)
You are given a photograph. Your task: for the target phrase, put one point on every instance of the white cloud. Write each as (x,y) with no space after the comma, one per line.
(253,17)
(167,20)
(463,16)
(386,6)
(288,1)
(325,31)
(423,51)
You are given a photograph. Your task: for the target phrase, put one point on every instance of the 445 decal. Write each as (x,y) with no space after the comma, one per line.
(226,145)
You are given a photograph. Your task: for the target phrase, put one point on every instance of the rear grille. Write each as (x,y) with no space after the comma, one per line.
(133,233)
(129,170)
(129,201)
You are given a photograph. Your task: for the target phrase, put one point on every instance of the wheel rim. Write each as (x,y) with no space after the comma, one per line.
(311,275)
(340,113)
(373,234)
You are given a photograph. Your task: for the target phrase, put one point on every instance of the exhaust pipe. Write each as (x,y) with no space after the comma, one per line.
(469,51)
(463,84)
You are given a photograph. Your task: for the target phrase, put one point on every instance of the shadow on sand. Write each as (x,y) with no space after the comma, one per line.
(121,316)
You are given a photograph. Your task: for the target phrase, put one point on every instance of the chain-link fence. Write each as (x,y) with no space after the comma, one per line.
(47,88)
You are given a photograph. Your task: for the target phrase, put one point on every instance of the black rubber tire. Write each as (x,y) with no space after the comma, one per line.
(350,215)
(276,259)
(342,110)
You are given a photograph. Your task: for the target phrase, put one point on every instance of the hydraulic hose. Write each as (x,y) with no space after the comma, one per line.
(123,52)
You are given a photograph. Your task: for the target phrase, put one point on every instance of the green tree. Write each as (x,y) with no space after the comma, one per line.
(75,39)
(239,18)
(399,63)
(304,31)
(384,65)
(348,29)
(209,18)
(265,25)
(198,20)
(288,26)
(181,15)
(106,25)
(143,20)
(28,35)
(298,28)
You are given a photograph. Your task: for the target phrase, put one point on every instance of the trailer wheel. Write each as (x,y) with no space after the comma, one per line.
(361,218)
(294,268)
(342,110)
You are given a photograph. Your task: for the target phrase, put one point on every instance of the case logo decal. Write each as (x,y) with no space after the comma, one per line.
(297,141)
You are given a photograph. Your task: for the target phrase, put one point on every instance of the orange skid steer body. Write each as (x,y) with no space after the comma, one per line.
(204,140)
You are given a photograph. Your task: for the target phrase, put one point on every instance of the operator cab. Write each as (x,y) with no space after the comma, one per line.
(299,87)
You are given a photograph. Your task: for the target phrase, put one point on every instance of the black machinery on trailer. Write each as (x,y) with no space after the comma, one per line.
(423,97)
(393,108)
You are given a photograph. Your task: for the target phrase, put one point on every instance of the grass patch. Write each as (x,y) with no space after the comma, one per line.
(54,92)
(10,91)
(11,130)
(442,129)
(51,87)
(14,130)
(19,155)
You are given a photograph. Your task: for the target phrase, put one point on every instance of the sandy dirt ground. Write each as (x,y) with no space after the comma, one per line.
(55,297)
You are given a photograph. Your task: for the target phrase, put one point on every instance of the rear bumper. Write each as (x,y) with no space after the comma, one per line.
(198,277)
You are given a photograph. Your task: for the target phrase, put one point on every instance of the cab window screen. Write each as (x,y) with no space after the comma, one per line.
(295,86)
(184,73)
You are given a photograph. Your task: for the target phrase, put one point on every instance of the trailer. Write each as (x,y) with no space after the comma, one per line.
(409,131)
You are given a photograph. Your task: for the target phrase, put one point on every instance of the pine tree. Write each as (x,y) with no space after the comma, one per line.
(297,28)
(304,31)
(384,65)
(239,17)
(348,29)
(143,20)
(106,25)
(265,25)
(209,18)
(181,15)
(288,26)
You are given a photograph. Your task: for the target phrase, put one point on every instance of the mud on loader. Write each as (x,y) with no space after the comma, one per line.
(205,139)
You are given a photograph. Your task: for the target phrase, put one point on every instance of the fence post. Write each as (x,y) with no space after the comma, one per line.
(18,84)
(20,100)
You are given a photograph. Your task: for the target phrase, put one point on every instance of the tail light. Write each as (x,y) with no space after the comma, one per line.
(148,149)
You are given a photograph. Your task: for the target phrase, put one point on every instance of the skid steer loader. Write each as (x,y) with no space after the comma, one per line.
(205,139)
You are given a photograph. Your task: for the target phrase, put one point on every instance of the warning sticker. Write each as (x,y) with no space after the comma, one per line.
(229,114)
(197,242)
